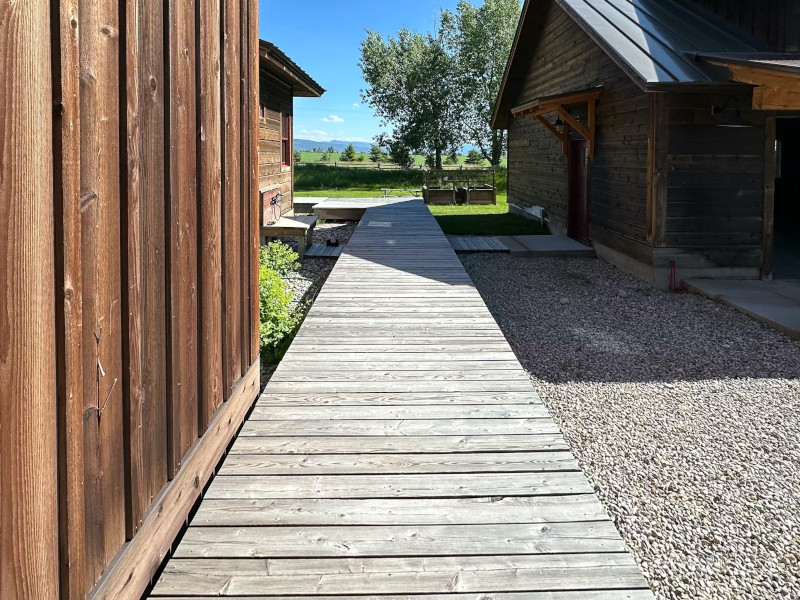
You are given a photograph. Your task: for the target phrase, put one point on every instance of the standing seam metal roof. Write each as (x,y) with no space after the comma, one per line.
(656,41)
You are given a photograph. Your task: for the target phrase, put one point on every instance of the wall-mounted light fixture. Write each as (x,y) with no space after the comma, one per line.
(559,125)
(730,120)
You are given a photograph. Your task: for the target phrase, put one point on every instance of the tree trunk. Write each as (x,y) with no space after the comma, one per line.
(438,158)
(497,148)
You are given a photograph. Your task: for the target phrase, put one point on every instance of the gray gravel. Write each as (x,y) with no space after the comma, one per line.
(684,414)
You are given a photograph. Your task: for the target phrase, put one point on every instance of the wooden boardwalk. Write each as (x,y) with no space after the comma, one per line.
(399,451)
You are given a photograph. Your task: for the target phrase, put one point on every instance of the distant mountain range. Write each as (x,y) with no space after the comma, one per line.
(338,145)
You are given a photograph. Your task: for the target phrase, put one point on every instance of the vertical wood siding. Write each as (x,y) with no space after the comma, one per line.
(146,308)
(123,295)
(104,481)
(231,215)
(28,473)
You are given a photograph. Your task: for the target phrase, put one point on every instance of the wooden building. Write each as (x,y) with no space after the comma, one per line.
(129,213)
(281,81)
(662,132)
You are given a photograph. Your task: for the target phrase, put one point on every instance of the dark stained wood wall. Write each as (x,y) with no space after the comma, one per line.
(566,59)
(275,102)
(776,22)
(714,185)
(128,311)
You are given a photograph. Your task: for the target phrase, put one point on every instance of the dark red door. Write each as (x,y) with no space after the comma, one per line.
(578,202)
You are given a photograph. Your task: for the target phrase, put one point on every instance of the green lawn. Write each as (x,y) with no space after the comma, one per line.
(484,220)
(455,220)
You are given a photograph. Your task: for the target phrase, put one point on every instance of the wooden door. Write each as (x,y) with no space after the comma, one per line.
(578,201)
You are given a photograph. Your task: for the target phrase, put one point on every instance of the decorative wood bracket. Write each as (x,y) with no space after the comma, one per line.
(558,104)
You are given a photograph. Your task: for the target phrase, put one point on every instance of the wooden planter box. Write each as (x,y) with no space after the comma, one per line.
(439,196)
(482,195)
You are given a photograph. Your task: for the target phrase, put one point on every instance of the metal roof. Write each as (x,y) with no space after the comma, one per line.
(656,41)
(276,61)
(659,43)
(771,61)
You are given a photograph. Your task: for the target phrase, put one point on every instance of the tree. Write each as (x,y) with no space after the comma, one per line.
(452,159)
(484,35)
(349,154)
(412,86)
(297,156)
(325,157)
(399,153)
(376,153)
(331,150)
(474,157)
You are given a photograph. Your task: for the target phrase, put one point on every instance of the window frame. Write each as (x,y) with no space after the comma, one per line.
(286,140)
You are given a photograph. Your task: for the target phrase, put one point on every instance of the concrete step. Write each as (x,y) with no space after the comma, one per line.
(545,245)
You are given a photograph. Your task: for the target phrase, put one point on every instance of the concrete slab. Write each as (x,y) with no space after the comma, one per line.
(306,205)
(545,245)
(776,303)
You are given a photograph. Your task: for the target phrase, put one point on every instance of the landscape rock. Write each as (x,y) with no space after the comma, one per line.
(683,413)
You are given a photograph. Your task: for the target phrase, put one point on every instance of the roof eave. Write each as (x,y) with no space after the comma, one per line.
(278,63)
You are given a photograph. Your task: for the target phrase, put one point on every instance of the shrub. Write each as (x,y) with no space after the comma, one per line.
(297,156)
(278,322)
(278,257)
(325,157)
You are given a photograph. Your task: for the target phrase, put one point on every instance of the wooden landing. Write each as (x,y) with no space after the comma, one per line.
(350,209)
(399,451)
(476,243)
(323,251)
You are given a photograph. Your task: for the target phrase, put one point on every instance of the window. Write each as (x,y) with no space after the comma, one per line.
(286,141)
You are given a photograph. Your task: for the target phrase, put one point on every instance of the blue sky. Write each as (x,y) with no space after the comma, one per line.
(324,38)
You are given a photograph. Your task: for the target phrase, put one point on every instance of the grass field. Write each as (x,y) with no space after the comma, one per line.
(318,181)
(312,157)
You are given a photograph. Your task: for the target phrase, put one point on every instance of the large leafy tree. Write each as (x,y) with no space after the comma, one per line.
(412,85)
(483,39)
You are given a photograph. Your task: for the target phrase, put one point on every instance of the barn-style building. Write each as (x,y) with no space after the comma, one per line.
(664,133)
(281,81)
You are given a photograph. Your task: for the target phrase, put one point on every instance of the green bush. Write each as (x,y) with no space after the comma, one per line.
(279,322)
(279,257)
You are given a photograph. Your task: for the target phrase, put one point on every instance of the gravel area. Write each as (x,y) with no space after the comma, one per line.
(684,413)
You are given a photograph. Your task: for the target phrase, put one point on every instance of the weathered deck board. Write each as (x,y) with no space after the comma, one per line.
(400,451)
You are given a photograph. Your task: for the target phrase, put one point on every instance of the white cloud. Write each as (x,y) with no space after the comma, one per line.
(314,135)
(333,119)
(356,105)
